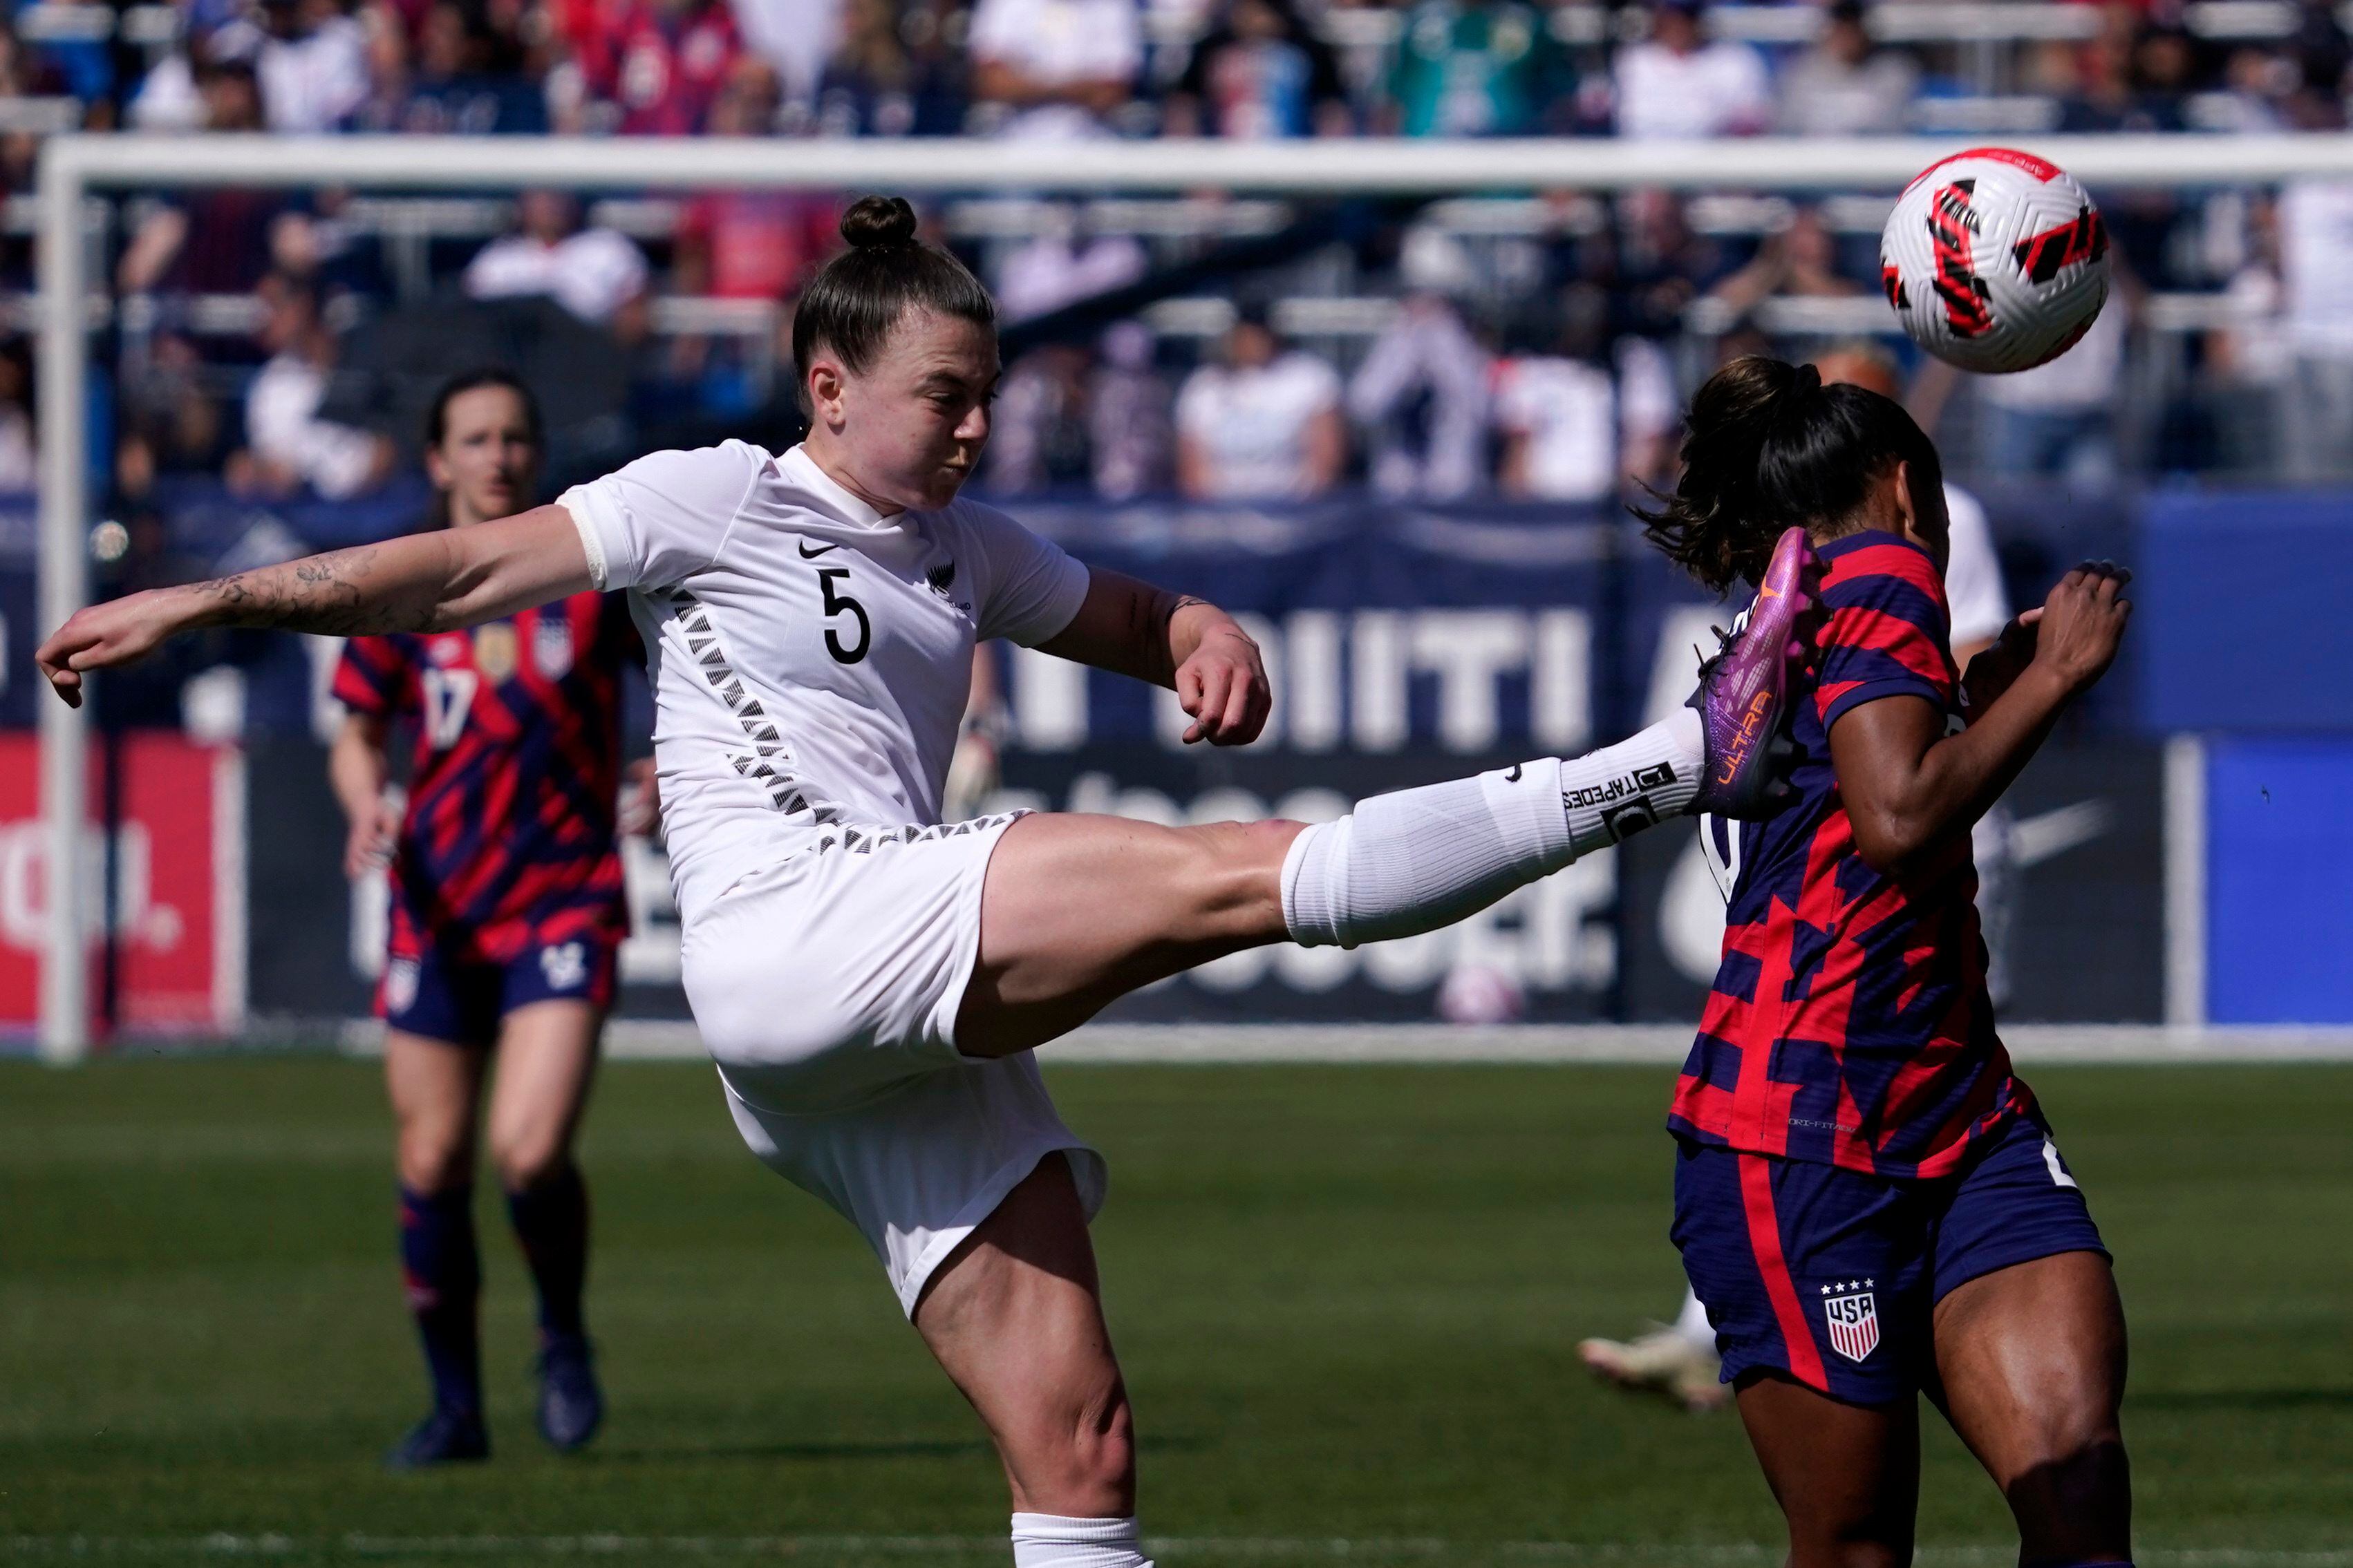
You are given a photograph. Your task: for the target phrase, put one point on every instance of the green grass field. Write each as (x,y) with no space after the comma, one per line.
(1348,1299)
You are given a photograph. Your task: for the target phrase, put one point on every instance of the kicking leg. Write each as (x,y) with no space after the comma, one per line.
(547,1062)
(1015,1316)
(2032,1361)
(1079,911)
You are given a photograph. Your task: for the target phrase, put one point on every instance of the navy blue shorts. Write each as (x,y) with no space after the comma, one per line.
(1831,1275)
(463,1001)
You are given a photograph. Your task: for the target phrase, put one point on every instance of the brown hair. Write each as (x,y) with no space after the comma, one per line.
(1767,446)
(857,297)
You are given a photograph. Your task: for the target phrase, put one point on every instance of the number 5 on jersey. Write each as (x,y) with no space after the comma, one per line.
(842,604)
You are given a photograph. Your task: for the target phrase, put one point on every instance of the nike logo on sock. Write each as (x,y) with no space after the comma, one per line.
(808,554)
(1513,776)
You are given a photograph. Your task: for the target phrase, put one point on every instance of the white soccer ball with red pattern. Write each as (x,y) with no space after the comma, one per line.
(1995,260)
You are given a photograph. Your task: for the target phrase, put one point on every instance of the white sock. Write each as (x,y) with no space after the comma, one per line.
(1416,859)
(1691,1322)
(1051,1540)
(1640,781)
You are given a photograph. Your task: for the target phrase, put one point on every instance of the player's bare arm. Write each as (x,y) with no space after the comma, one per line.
(1177,641)
(1908,784)
(424,582)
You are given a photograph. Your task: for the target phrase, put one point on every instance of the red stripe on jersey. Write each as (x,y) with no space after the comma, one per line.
(1876,631)
(1907,562)
(1765,1242)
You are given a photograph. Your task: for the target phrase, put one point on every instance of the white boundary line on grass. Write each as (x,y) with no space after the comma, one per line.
(1212,1548)
(1214,1044)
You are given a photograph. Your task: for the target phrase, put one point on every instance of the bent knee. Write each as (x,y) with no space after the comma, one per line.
(530,1159)
(1231,874)
(2063,1452)
(433,1159)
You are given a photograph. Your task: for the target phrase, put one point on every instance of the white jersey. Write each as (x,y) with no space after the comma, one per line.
(811,657)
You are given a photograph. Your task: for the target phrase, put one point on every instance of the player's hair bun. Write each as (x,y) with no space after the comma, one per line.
(878,220)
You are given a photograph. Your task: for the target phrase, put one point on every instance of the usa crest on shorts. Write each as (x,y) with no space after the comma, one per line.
(1852,1310)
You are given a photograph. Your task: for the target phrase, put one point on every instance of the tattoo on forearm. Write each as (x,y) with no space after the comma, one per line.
(327,594)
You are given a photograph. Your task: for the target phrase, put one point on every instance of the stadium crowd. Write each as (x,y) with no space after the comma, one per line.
(1533,348)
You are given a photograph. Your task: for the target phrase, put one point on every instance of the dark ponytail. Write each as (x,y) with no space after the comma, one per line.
(857,296)
(1767,446)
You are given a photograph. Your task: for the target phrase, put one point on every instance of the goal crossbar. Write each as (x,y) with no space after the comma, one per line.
(75,166)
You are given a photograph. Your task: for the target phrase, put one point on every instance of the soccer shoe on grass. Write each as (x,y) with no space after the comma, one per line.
(1744,692)
(444,1437)
(1664,1362)
(571,1406)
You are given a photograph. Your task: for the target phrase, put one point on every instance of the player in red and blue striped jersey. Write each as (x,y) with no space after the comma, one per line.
(507,910)
(1867,1198)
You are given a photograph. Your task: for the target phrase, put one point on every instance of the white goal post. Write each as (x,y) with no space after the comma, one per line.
(73,167)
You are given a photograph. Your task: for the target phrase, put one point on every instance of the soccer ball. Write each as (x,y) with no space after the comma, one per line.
(1995,260)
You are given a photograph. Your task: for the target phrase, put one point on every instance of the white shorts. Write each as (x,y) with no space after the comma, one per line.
(827,988)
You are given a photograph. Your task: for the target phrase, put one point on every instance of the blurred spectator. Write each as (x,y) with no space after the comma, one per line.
(1129,409)
(1056,68)
(597,275)
(312,65)
(1069,418)
(1265,423)
(795,38)
(1421,397)
(1059,268)
(286,444)
(897,72)
(19,457)
(1260,72)
(80,67)
(2059,418)
(1800,261)
(750,243)
(1557,404)
(2251,363)
(167,421)
(1676,84)
(1474,68)
(659,63)
(1844,85)
(22,75)
(2316,259)
(2257,83)
(2321,50)
(1039,433)
(1660,264)
(209,241)
(2129,78)
(465,77)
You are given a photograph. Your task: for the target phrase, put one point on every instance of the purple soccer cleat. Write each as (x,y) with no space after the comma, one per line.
(1744,692)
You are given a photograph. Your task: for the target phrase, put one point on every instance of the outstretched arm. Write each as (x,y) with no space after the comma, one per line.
(424,582)
(1173,640)
(1908,784)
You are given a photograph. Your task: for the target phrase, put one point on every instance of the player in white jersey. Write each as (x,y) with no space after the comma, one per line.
(1678,1359)
(872,982)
